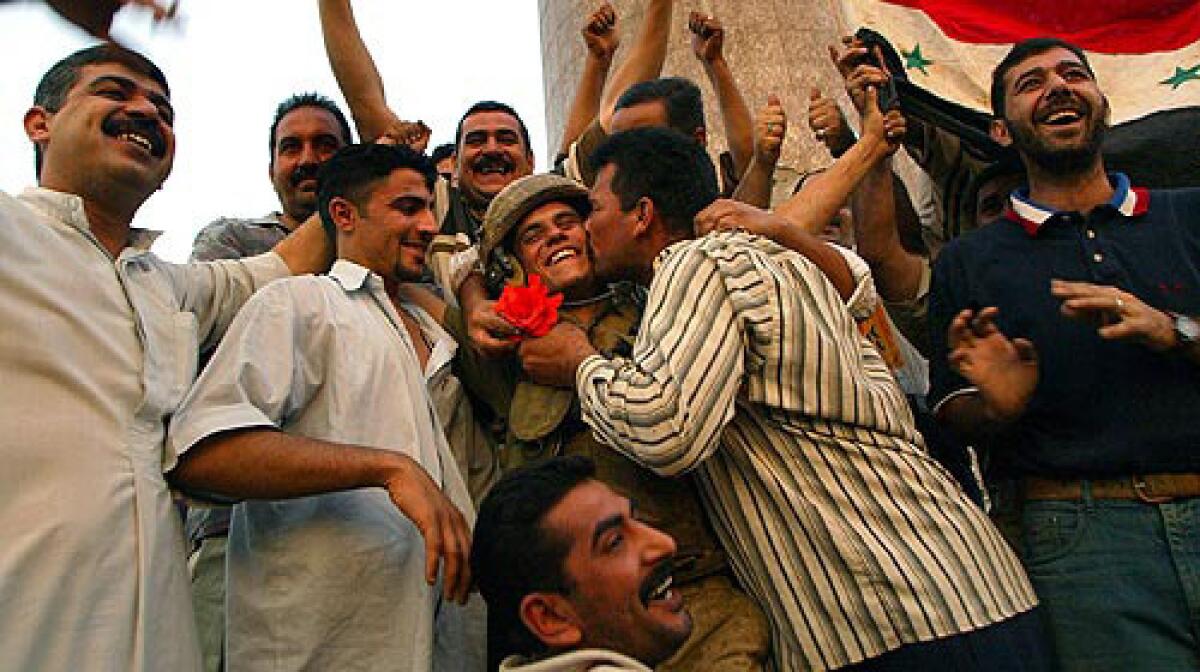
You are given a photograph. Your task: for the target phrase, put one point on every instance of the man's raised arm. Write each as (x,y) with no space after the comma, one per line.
(359,79)
(645,59)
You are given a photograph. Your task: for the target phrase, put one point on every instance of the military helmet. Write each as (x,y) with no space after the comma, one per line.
(508,208)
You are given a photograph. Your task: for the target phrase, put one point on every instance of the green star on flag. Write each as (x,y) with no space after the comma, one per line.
(1182,76)
(914,60)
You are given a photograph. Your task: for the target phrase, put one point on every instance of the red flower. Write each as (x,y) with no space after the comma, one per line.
(531,309)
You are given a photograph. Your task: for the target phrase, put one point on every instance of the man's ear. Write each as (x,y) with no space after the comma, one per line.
(701,136)
(998,130)
(551,619)
(645,211)
(37,124)
(343,213)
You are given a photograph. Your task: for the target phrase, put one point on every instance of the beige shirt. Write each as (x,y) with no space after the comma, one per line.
(333,581)
(96,354)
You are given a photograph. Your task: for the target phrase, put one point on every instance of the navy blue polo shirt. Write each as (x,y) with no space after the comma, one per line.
(1101,408)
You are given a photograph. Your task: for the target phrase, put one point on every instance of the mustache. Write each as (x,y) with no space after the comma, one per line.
(303,172)
(490,161)
(115,125)
(660,573)
(1064,100)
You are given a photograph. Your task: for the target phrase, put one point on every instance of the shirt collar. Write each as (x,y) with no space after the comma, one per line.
(68,208)
(1126,200)
(350,275)
(667,251)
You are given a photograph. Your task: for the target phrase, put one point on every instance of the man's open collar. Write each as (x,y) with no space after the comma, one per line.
(1126,200)
(68,208)
(349,275)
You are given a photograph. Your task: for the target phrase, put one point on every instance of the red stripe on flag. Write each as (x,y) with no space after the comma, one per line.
(1105,26)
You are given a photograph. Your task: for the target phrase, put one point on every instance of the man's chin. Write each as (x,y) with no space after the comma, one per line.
(668,638)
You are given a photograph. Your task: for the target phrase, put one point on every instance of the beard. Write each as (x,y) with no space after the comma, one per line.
(1059,159)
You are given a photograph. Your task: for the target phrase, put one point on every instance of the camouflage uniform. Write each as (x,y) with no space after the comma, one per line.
(729,630)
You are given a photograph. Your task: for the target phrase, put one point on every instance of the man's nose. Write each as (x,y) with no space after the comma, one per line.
(492,145)
(658,544)
(1056,83)
(309,154)
(139,105)
(427,225)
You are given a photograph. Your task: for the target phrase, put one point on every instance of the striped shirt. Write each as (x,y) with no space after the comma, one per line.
(749,370)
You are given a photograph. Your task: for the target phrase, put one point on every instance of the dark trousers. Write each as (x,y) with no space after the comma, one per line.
(1018,644)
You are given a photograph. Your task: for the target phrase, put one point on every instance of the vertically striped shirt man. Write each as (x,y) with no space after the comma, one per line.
(749,371)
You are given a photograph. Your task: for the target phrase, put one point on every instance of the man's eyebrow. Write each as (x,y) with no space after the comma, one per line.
(1032,71)
(602,527)
(411,196)
(130,85)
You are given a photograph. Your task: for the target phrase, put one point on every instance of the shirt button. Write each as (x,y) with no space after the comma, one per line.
(1091,233)
(1097,257)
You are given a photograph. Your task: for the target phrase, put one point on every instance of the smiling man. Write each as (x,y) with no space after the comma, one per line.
(492,146)
(1065,335)
(749,372)
(98,348)
(306,131)
(535,226)
(315,409)
(493,150)
(576,577)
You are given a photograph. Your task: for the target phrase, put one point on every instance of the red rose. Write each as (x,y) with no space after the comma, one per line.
(531,309)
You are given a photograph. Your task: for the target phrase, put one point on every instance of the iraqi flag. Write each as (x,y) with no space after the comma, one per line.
(1146,55)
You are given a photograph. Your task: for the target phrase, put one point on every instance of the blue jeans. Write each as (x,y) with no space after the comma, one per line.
(1119,581)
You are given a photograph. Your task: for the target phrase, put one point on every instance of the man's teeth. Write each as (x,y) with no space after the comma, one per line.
(661,591)
(137,139)
(560,255)
(1065,116)
(498,170)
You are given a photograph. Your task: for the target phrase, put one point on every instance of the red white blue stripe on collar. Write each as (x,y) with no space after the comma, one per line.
(1129,201)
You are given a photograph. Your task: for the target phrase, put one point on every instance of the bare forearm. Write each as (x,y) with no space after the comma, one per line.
(263,463)
(897,272)
(755,186)
(739,125)
(586,104)
(823,195)
(354,69)
(645,59)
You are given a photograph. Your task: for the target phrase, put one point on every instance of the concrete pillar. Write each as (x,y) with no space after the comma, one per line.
(773,46)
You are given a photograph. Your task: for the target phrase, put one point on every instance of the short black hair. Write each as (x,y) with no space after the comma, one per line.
(309,99)
(443,151)
(1021,51)
(52,89)
(664,165)
(352,172)
(492,106)
(512,552)
(680,97)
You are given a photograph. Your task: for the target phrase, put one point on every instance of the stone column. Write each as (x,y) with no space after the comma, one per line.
(773,46)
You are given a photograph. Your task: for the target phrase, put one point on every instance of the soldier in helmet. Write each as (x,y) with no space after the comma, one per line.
(535,226)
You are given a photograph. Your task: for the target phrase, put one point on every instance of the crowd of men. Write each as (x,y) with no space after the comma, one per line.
(751,441)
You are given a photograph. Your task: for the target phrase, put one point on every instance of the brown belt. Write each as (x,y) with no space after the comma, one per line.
(1150,488)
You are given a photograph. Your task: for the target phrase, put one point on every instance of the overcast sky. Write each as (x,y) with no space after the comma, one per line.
(231,62)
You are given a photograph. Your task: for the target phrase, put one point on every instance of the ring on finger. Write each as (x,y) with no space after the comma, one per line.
(1120,304)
